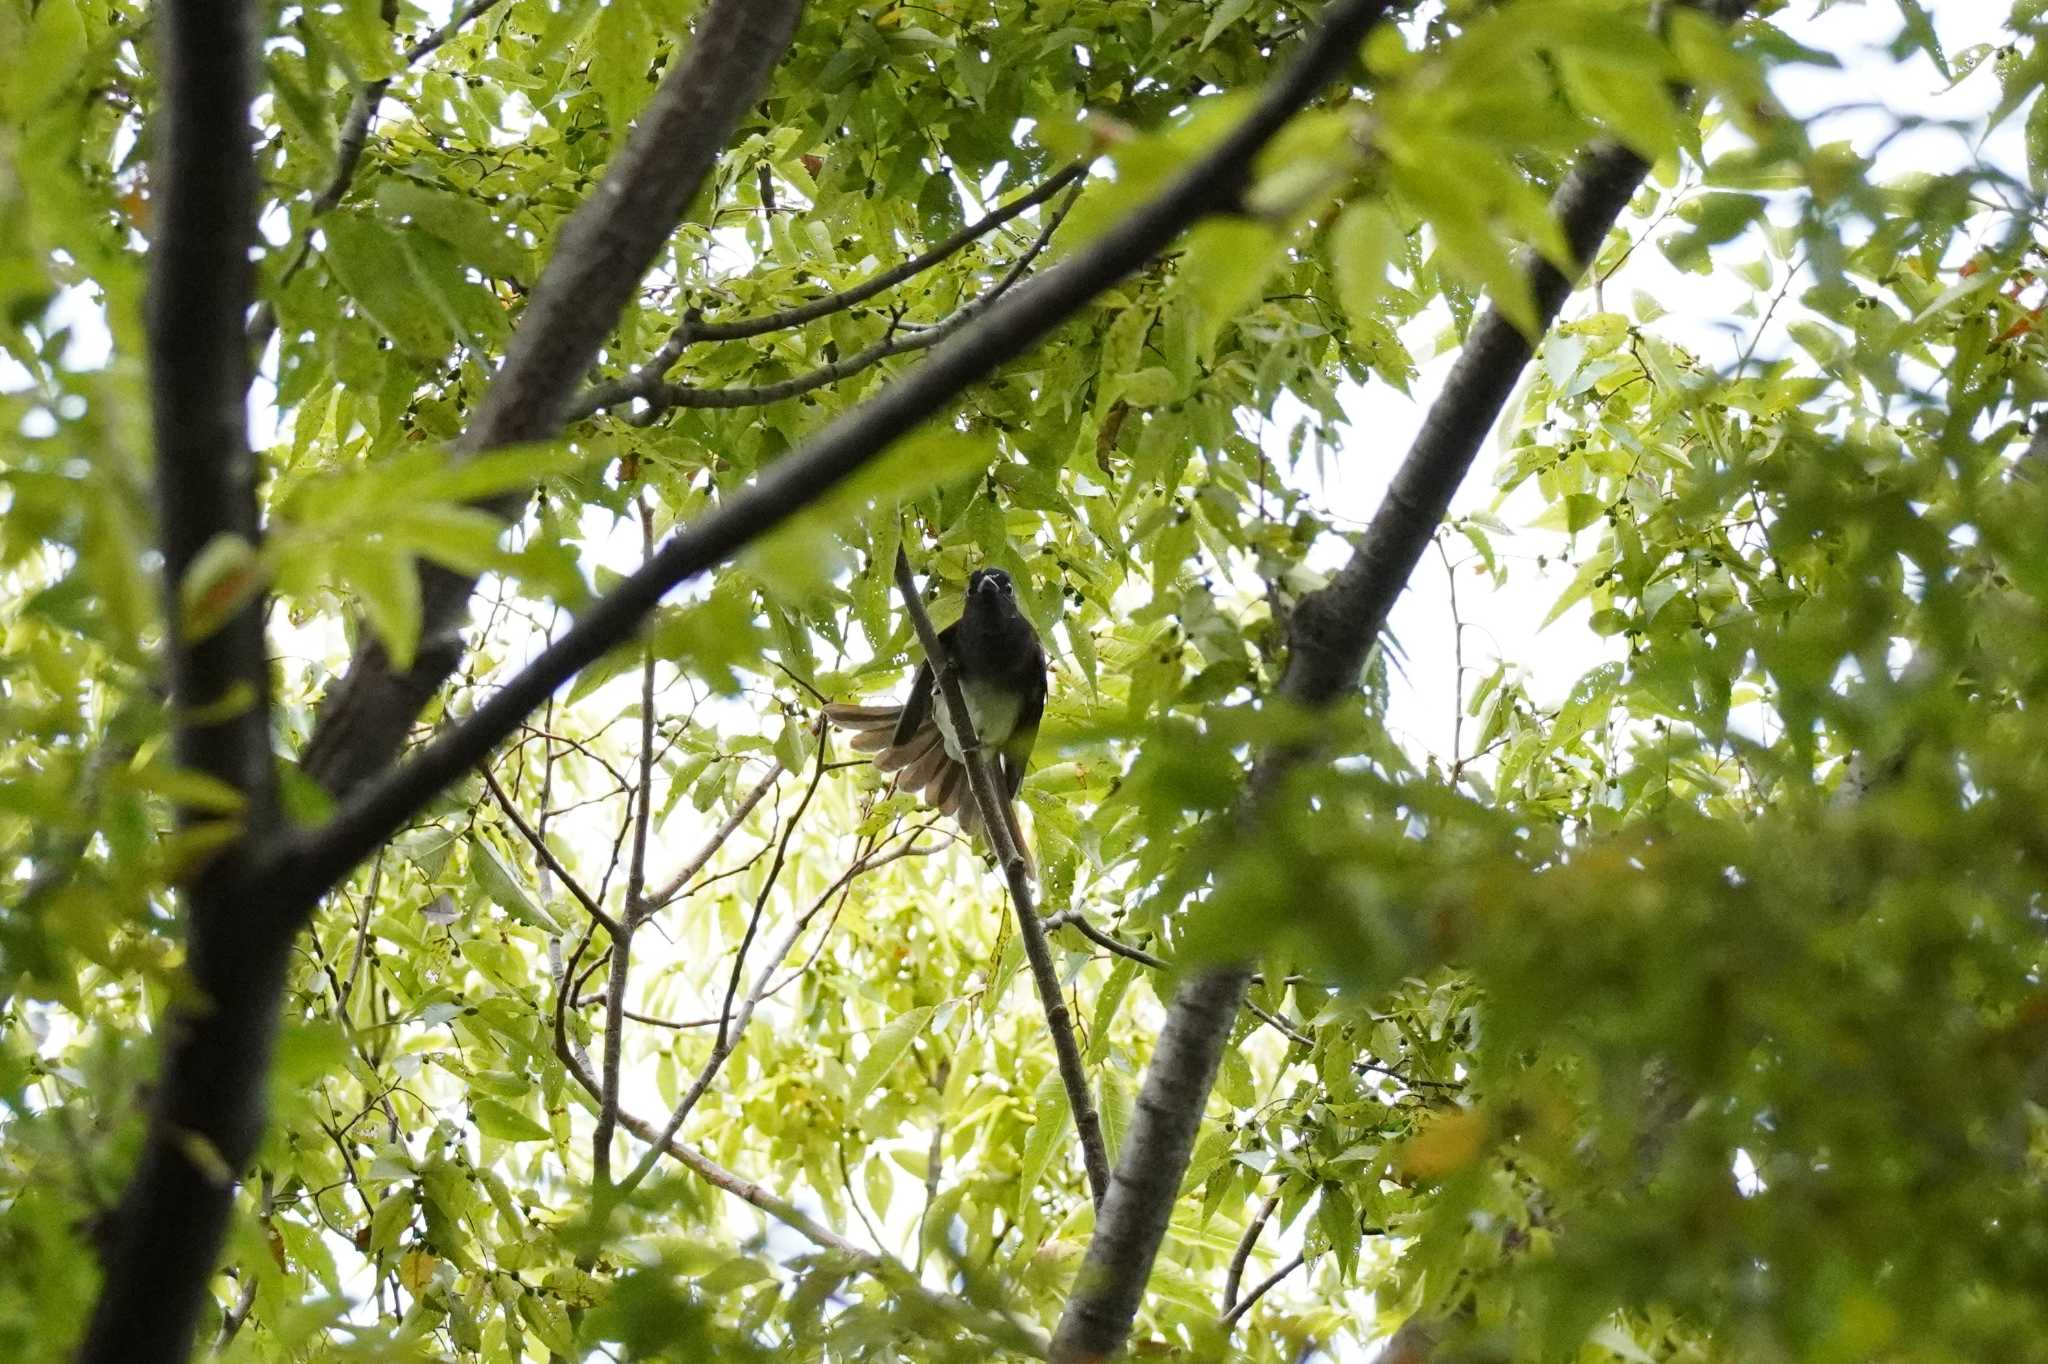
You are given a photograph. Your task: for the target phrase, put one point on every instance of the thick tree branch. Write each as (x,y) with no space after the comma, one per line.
(1329,635)
(208,1110)
(603,251)
(997,823)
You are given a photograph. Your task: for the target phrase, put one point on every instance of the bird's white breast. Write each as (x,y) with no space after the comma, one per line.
(993,710)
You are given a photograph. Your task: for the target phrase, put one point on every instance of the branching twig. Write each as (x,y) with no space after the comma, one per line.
(646,382)
(693,329)
(1076,919)
(547,857)
(996,823)
(739,960)
(731,1026)
(1243,1254)
(1263,1287)
(719,836)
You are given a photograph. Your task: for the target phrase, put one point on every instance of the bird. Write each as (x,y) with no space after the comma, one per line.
(995,652)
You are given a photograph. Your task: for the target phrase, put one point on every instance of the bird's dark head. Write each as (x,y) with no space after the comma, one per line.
(990,584)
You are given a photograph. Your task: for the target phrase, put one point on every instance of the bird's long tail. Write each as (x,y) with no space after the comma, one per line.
(921,764)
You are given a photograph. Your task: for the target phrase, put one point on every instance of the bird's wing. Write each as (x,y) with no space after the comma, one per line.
(873,727)
(1017,748)
(917,707)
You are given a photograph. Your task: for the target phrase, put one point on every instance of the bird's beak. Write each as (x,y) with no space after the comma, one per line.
(987,587)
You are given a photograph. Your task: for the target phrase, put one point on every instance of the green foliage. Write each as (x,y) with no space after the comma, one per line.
(1689,1009)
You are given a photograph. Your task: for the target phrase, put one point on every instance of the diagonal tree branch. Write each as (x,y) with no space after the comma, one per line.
(1261,1289)
(1243,1254)
(1329,635)
(603,251)
(207,1114)
(1212,183)
(996,822)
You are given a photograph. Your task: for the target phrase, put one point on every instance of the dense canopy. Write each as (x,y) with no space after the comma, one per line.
(449,458)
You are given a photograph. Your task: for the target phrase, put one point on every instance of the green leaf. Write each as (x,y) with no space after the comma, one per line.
(392,1216)
(1051,1120)
(1364,241)
(622,49)
(372,265)
(505,887)
(504,1122)
(885,1051)
(1227,13)
(388,586)
(50,60)
(1633,102)
(461,220)
(1224,269)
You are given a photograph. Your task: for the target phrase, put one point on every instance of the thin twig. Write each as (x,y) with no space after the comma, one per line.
(996,822)
(934,1156)
(245,1301)
(1243,1254)
(646,382)
(548,859)
(739,960)
(693,329)
(1264,1286)
(731,1025)
(635,908)
(674,885)
(1074,918)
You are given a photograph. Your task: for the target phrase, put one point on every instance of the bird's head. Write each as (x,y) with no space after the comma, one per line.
(989,584)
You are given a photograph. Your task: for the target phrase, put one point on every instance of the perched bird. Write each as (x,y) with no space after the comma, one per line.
(1001,666)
